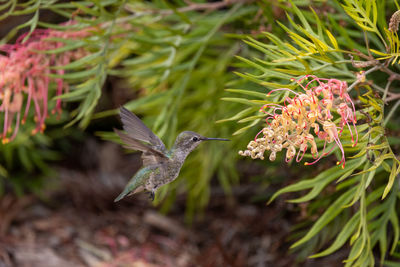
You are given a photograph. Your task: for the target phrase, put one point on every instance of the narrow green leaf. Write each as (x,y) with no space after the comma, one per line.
(342,237)
(77,75)
(328,175)
(332,39)
(177,12)
(65,48)
(239,100)
(86,60)
(86,10)
(393,174)
(395,225)
(239,115)
(251,118)
(383,243)
(241,130)
(327,217)
(32,25)
(80,91)
(247,92)
(377,163)
(28,10)
(379,147)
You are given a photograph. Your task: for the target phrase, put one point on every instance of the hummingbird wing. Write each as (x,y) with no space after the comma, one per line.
(150,156)
(137,130)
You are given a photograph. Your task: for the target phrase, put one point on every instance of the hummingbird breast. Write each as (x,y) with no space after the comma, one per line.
(168,172)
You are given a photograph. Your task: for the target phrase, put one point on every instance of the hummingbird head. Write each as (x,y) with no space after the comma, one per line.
(187,141)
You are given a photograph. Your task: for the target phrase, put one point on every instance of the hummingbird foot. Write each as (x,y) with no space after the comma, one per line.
(151,195)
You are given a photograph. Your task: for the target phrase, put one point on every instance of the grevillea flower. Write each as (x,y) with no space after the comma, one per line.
(25,77)
(305,117)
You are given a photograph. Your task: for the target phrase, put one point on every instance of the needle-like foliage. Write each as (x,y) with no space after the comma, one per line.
(177,57)
(366,189)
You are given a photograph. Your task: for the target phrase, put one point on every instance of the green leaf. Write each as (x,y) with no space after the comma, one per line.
(377,163)
(239,115)
(77,75)
(242,130)
(327,217)
(32,25)
(319,181)
(395,225)
(393,174)
(248,92)
(73,46)
(176,11)
(240,100)
(342,237)
(332,39)
(89,59)
(86,10)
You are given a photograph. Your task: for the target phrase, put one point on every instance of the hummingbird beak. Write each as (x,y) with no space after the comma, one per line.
(218,139)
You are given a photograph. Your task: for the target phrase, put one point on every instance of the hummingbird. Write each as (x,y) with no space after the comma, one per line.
(160,165)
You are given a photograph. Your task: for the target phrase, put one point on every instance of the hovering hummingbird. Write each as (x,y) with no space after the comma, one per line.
(160,166)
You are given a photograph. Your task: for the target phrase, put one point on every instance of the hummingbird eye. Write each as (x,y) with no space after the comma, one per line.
(195,139)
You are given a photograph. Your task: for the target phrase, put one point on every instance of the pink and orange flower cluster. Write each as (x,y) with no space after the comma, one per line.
(305,117)
(25,77)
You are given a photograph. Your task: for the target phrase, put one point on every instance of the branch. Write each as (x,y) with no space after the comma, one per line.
(371,61)
(392,97)
(362,78)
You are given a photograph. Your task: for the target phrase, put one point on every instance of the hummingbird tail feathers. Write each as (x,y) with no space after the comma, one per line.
(129,191)
(137,182)
(120,196)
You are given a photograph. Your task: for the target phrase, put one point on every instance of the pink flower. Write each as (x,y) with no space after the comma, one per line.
(292,125)
(25,72)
